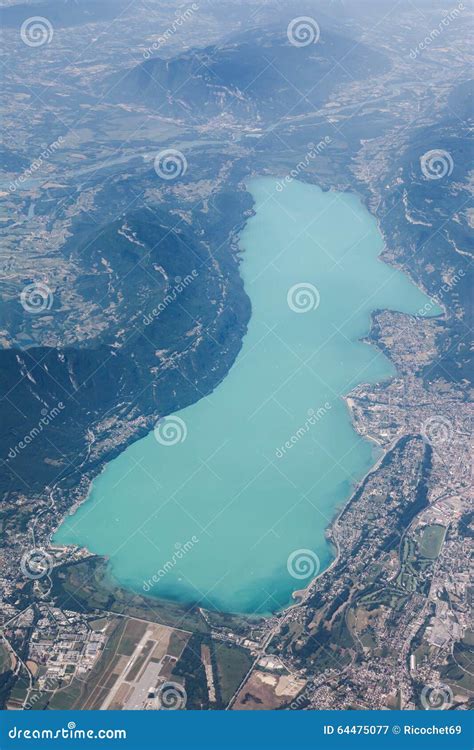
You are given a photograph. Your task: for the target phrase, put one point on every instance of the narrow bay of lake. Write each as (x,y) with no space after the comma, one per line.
(230,497)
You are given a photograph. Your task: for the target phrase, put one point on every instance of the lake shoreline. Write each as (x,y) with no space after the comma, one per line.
(327,529)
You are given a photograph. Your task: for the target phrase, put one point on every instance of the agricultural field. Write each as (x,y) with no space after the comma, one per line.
(265,690)
(5,659)
(232,664)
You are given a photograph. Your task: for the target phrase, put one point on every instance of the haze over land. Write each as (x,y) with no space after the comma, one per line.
(133,134)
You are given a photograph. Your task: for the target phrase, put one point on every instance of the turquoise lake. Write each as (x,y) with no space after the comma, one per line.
(212,505)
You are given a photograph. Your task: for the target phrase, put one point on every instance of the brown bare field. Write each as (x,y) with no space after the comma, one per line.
(266,691)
